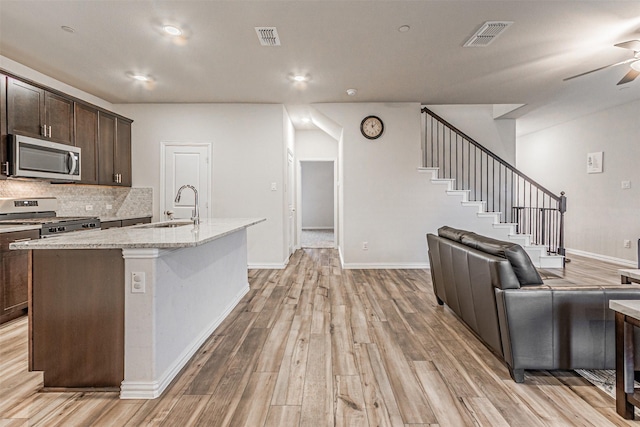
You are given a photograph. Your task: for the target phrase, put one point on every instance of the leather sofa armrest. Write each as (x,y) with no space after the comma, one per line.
(560,328)
(526,327)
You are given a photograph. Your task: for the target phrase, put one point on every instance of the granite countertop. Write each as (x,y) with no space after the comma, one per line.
(629,307)
(143,236)
(10,228)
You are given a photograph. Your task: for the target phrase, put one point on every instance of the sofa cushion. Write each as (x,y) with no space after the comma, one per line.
(518,258)
(522,265)
(452,233)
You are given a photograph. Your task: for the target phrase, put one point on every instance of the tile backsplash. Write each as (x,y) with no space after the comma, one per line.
(73,199)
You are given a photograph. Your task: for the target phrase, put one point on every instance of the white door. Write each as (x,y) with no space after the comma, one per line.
(291,201)
(185,164)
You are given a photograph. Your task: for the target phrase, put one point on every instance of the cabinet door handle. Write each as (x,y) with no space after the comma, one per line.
(49,131)
(44,130)
(22,240)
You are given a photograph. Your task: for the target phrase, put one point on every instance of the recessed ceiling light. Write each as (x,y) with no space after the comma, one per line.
(352,92)
(404,28)
(300,78)
(67,29)
(140,77)
(172,30)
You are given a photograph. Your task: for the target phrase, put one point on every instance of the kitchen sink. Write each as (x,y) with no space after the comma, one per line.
(169,224)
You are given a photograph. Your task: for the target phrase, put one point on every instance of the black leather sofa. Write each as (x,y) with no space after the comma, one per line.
(493,287)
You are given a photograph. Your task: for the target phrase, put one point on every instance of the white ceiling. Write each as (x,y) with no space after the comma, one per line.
(340,45)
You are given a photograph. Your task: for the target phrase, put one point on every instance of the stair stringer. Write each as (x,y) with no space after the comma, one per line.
(488,223)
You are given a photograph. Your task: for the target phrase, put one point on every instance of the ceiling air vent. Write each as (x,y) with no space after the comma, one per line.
(487,33)
(268,36)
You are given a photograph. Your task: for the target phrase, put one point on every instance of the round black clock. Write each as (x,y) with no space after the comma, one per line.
(371,127)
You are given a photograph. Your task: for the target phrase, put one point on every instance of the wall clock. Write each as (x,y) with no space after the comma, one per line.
(371,127)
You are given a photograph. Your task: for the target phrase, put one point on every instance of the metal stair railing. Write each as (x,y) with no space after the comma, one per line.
(488,178)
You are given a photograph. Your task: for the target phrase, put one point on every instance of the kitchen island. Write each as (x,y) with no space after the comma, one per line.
(126,308)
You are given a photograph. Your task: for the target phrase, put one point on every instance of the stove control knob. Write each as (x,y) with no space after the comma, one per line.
(52,229)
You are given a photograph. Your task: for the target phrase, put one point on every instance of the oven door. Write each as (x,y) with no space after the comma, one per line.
(37,158)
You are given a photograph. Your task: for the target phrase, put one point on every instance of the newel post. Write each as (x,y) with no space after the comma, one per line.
(562,208)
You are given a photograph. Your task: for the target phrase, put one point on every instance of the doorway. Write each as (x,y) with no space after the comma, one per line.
(317,204)
(185,164)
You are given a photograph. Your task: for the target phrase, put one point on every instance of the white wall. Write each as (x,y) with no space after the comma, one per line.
(248,145)
(600,215)
(476,121)
(383,198)
(315,145)
(317,194)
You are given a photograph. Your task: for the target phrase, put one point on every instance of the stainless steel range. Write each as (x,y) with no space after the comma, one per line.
(42,211)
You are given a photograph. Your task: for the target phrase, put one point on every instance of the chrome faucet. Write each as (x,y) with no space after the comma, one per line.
(196,211)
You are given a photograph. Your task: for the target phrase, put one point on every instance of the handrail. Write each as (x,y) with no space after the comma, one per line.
(486,150)
(488,178)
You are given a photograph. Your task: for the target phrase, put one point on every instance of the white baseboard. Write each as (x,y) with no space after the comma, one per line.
(316,228)
(381,265)
(625,262)
(153,389)
(268,266)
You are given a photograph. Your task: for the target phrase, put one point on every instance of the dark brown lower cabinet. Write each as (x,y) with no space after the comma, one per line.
(15,277)
(77,318)
(105,225)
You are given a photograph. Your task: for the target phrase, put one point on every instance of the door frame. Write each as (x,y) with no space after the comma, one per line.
(299,198)
(163,148)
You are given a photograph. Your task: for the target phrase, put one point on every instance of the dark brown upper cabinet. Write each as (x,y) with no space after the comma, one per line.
(3,125)
(104,137)
(86,137)
(122,153)
(114,148)
(36,112)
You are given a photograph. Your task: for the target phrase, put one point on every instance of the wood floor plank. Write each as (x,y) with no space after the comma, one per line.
(445,406)
(411,401)
(226,397)
(314,344)
(254,404)
(119,414)
(380,402)
(273,351)
(281,416)
(342,354)
(290,383)
(484,413)
(317,399)
(349,401)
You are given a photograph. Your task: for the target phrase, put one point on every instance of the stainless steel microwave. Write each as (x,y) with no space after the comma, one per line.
(39,158)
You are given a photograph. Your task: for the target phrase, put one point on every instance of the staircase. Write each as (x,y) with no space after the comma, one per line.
(539,255)
(518,209)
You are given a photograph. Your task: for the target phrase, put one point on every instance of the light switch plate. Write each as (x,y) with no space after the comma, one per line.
(137,282)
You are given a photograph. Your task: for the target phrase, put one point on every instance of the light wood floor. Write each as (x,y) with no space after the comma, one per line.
(313,345)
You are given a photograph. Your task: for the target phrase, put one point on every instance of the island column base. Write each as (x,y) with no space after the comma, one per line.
(184,296)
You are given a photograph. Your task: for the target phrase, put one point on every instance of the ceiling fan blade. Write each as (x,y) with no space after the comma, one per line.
(629,77)
(601,68)
(631,44)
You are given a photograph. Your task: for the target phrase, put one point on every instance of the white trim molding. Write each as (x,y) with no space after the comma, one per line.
(620,261)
